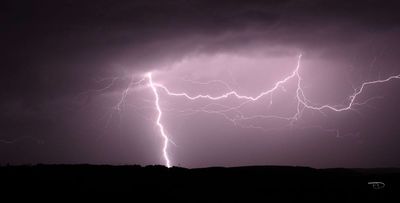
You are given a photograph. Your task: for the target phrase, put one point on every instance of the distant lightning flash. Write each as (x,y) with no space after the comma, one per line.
(302,101)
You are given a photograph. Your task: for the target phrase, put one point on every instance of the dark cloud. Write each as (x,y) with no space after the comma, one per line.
(54,50)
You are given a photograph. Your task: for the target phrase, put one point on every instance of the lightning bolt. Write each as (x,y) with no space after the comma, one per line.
(302,102)
(158,121)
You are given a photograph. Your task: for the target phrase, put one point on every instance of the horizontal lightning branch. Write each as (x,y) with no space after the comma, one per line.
(301,100)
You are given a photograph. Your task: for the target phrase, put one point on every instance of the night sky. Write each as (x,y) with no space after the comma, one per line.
(70,91)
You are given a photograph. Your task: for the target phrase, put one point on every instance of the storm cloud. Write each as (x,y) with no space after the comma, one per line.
(55,53)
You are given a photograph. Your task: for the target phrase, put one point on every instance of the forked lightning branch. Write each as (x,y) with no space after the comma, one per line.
(302,102)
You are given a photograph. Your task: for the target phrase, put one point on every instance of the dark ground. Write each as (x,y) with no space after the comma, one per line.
(237,183)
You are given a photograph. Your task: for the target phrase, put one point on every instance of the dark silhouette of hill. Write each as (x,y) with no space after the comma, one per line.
(204,184)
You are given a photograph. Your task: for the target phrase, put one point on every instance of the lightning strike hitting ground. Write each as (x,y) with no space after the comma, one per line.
(158,121)
(302,102)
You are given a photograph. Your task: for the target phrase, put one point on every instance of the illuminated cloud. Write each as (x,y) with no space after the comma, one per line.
(72,82)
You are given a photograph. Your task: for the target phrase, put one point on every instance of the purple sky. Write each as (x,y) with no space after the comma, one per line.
(66,66)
